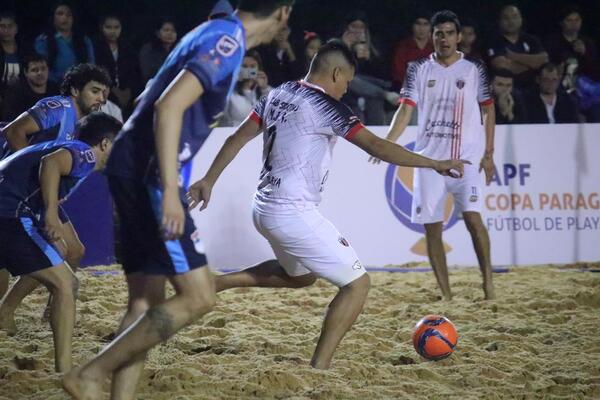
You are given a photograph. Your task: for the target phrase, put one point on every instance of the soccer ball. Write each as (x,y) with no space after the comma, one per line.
(434,337)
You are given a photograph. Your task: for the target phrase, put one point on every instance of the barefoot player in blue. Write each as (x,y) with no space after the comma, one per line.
(32,183)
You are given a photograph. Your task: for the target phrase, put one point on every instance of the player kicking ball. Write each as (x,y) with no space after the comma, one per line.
(301,122)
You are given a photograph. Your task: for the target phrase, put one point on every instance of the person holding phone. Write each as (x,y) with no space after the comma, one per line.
(252,84)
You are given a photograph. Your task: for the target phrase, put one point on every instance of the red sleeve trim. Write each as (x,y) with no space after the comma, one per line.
(487,102)
(255,117)
(407,101)
(353,131)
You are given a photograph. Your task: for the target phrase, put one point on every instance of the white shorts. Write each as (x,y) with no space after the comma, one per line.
(431,190)
(305,242)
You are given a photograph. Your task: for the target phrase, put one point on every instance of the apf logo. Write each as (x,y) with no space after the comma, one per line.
(399,195)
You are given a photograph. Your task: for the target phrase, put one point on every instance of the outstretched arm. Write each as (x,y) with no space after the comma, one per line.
(168,111)
(52,167)
(201,190)
(395,154)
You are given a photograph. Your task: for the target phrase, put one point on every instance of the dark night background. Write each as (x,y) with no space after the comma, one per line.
(389,20)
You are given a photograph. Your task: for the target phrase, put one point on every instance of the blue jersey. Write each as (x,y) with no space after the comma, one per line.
(213,52)
(20,194)
(55,116)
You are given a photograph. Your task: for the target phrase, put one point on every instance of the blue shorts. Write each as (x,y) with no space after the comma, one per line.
(23,247)
(143,249)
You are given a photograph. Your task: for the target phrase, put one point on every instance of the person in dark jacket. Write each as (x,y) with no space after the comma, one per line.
(547,104)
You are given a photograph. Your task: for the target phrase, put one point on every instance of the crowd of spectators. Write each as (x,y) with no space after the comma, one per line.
(555,79)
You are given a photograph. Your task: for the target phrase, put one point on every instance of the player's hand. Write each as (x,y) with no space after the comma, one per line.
(173,215)
(487,165)
(451,168)
(53,227)
(199,193)
(374,160)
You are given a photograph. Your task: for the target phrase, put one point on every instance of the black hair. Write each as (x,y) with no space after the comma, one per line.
(33,57)
(548,67)
(420,13)
(104,17)
(568,10)
(503,73)
(97,126)
(332,46)
(263,8)
(444,16)
(9,15)
(77,38)
(81,74)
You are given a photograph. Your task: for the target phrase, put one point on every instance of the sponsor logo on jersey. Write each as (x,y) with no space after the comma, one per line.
(226,46)
(89,156)
(431,83)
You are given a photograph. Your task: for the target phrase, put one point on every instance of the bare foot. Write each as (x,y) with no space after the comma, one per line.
(489,293)
(7,324)
(81,388)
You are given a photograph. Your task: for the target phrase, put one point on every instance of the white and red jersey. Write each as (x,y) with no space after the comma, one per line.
(448,101)
(300,126)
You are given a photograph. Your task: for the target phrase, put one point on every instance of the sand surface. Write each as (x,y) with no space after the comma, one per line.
(540,339)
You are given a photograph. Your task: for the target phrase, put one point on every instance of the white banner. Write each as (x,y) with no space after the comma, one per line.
(542,207)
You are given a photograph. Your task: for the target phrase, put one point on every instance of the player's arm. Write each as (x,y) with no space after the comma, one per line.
(201,190)
(17,131)
(52,167)
(168,111)
(399,123)
(489,123)
(531,61)
(395,154)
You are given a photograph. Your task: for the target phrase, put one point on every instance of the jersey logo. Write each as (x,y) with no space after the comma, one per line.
(226,46)
(89,156)
(431,83)
(460,84)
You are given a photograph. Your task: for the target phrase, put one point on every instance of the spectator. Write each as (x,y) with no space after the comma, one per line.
(252,84)
(120,61)
(10,57)
(24,93)
(571,44)
(312,43)
(510,107)
(515,50)
(155,52)
(279,59)
(469,44)
(367,94)
(546,103)
(63,44)
(357,31)
(418,45)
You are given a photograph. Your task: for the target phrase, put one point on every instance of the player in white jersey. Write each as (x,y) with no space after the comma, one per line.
(456,120)
(301,122)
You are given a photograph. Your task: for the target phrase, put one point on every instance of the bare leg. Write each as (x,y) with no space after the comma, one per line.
(4,277)
(18,291)
(481,242)
(266,274)
(145,291)
(73,251)
(194,297)
(341,314)
(61,282)
(437,257)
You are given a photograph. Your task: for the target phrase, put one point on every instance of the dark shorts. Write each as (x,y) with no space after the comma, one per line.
(23,247)
(142,247)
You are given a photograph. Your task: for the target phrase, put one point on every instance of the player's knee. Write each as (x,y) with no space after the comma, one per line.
(64,286)
(303,281)
(200,303)
(360,285)
(75,253)
(138,306)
